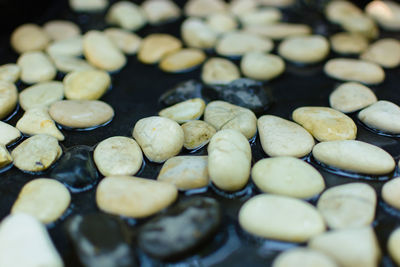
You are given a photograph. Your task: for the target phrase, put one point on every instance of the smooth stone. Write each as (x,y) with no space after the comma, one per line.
(393,245)
(386,13)
(126,15)
(185,172)
(41,95)
(127,41)
(118,155)
(67,64)
(160,138)
(197,134)
(361,24)
(325,124)
(383,116)
(198,34)
(261,66)
(202,8)
(37,153)
(134,197)
(156,46)
(280,30)
(282,218)
(337,11)
(239,7)
(76,169)
(354,247)
(261,16)
(185,111)
(185,59)
(229,160)
(287,176)
(181,92)
(354,156)
(391,192)
(24,241)
(277,3)
(5,157)
(45,199)
(10,72)
(348,43)
(181,229)
(158,11)
(86,85)
(223,115)
(9,134)
(221,22)
(61,29)
(36,67)
(8,98)
(89,6)
(38,121)
(348,206)
(303,257)
(108,249)
(72,47)
(385,52)
(219,71)
(351,96)
(29,37)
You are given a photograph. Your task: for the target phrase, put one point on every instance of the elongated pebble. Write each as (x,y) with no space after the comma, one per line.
(125,40)
(185,59)
(158,11)
(238,7)
(383,116)
(219,71)
(391,192)
(5,157)
(156,46)
(337,11)
(303,257)
(8,98)
(196,33)
(221,22)
(29,37)
(202,8)
(36,67)
(278,31)
(72,47)
(348,43)
(9,133)
(88,5)
(393,246)
(276,3)
(86,85)
(379,11)
(385,52)
(41,94)
(10,72)
(126,15)
(67,64)
(261,66)
(185,111)
(61,29)
(262,16)
(361,24)
(197,134)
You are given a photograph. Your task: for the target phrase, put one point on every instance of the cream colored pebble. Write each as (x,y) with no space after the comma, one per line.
(156,46)
(36,67)
(203,8)
(221,22)
(383,116)
(5,157)
(337,11)
(261,66)
(29,37)
(393,246)
(182,60)
(278,31)
(379,11)
(67,64)
(128,42)
(348,43)
(276,3)
(196,33)
(8,98)
(385,52)
(158,11)
(361,24)
(262,16)
(219,71)
(61,29)
(391,192)
(239,7)
(185,111)
(72,47)
(303,257)
(41,94)
(9,72)
(197,134)
(86,85)
(9,133)
(127,15)
(88,5)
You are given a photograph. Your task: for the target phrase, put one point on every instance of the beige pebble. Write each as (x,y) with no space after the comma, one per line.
(45,199)
(386,13)
(278,31)
(280,137)
(196,33)
(279,217)
(261,66)
(36,67)
(238,7)
(185,172)
(72,47)
(229,160)
(29,37)
(37,153)
(185,111)
(8,98)
(9,134)
(356,247)
(127,41)
(134,197)
(382,115)
(391,192)
(182,60)
(262,16)
(354,156)
(9,72)
(221,22)
(348,43)
(158,11)
(67,64)
(197,134)
(41,94)
(325,124)
(348,69)
(276,3)
(81,113)
(385,52)
(223,115)
(203,8)
(88,5)
(303,257)
(351,96)
(337,11)
(118,155)
(287,176)
(61,29)
(156,46)
(160,138)
(126,15)
(361,24)
(5,157)
(86,85)
(348,206)
(393,246)
(219,71)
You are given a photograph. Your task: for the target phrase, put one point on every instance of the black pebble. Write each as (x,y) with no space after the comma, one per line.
(182,92)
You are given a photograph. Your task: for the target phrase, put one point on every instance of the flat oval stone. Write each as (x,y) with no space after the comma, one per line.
(385,52)
(221,22)
(379,12)
(181,92)
(127,15)
(393,246)
(261,66)
(67,64)
(41,95)
(197,134)
(36,67)
(29,37)
(160,138)
(287,176)
(81,113)
(361,24)
(390,192)
(325,124)
(351,96)
(188,110)
(354,156)
(72,47)
(45,199)
(219,71)
(118,155)
(134,197)
(10,72)
(348,43)
(383,116)
(61,29)
(229,160)
(348,69)
(282,218)
(280,30)
(238,7)
(156,46)
(261,16)
(86,85)
(89,6)
(9,134)
(196,33)
(338,11)
(127,41)
(348,206)
(202,8)
(5,157)
(8,98)
(163,238)
(185,172)
(303,257)
(159,11)
(185,59)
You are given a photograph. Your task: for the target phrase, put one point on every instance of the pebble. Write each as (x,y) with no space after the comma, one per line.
(219,71)
(188,110)
(282,218)
(361,24)
(383,116)
(185,172)
(72,47)
(101,52)
(182,229)
(126,15)
(197,134)
(348,43)
(348,206)
(118,155)
(125,40)
(5,157)
(38,121)
(10,73)
(325,124)
(182,60)
(280,137)
(156,46)
(158,11)
(263,16)
(261,66)
(203,8)
(86,85)
(351,96)
(221,22)
(339,10)
(181,92)
(277,3)
(24,241)
(61,29)
(37,153)
(160,138)
(239,7)
(81,114)
(303,257)
(287,176)
(45,199)
(385,52)
(29,37)
(390,193)
(134,197)
(280,30)
(229,160)
(67,64)
(354,156)
(198,34)
(41,95)
(9,134)
(354,247)
(393,246)
(88,5)
(223,115)
(8,98)
(36,67)
(379,10)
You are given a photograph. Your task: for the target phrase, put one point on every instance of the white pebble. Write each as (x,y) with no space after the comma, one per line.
(262,16)
(36,67)
(67,64)
(385,52)
(221,22)
(10,72)
(261,66)
(386,13)
(196,33)
(9,134)
(8,98)
(61,29)
(348,43)
(278,31)
(203,8)
(197,134)
(158,11)
(185,111)
(29,37)
(393,246)
(383,116)
(5,157)
(128,42)
(88,5)
(219,71)
(41,95)
(72,47)
(391,192)
(303,257)
(86,85)
(127,15)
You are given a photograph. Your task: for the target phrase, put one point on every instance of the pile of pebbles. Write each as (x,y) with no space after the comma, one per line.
(239,48)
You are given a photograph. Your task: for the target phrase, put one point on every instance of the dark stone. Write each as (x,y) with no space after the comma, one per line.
(181,92)
(181,229)
(76,169)
(99,241)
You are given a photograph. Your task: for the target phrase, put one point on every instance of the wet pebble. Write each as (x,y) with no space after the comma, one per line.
(9,133)
(72,47)
(10,72)
(127,41)
(182,60)
(203,8)
(67,64)
(41,95)
(391,193)
(89,6)
(185,111)
(197,134)
(8,98)
(86,85)
(5,157)
(156,46)
(29,37)
(159,11)
(348,43)
(303,257)
(196,33)
(383,116)
(385,52)
(280,30)
(393,246)
(219,71)
(126,15)
(261,66)
(61,29)
(379,11)
(181,92)
(36,67)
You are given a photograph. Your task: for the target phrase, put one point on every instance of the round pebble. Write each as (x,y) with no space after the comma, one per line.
(61,29)
(185,59)
(339,10)
(221,22)
(88,5)
(262,16)
(383,116)
(188,110)
(393,246)
(41,95)
(9,134)
(158,11)
(278,31)
(72,47)
(385,52)
(196,33)
(261,66)
(197,134)
(126,15)
(125,40)
(36,67)
(9,72)
(5,157)
(219,71)
(379,11)
(391,192)
(8,98)
(203,8)
(29,37)
(67,64)
(348,43)
(303,257)
(156,46)
(86,85)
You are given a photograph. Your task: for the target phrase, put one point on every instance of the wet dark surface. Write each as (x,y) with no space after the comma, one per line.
(134,95)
